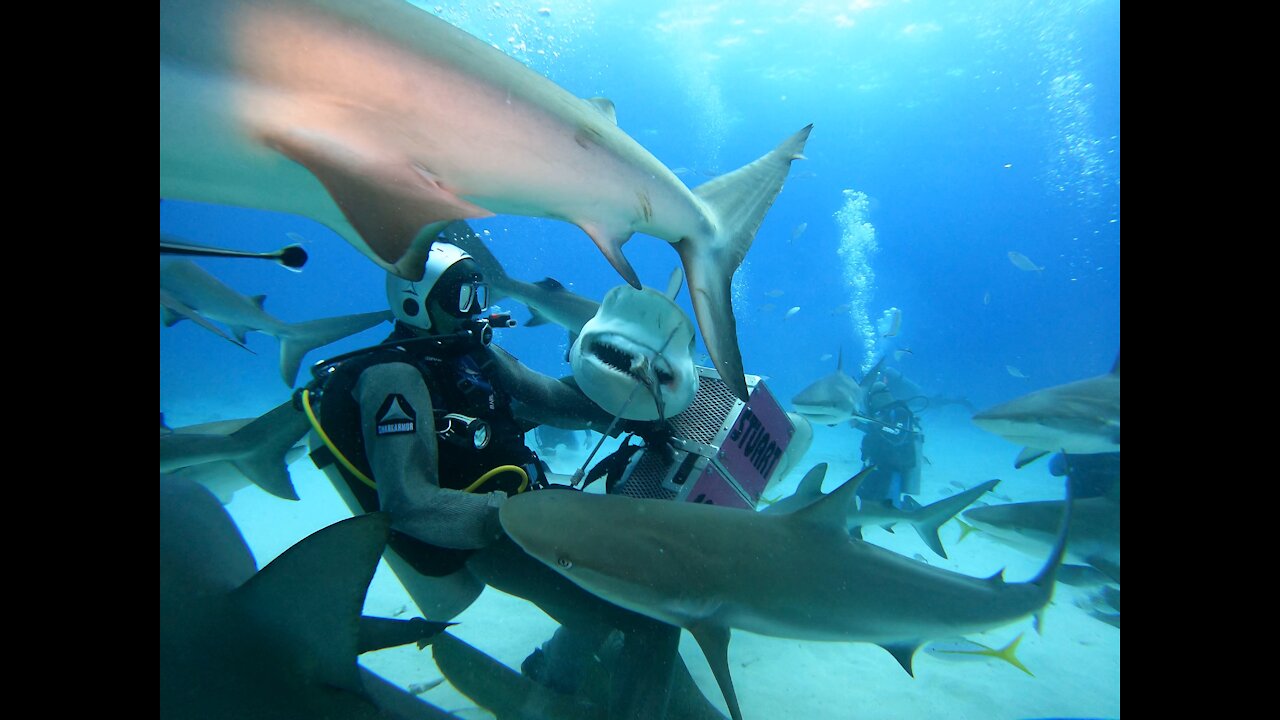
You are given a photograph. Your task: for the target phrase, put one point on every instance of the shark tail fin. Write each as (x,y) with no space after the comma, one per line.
(271,437)
(312,594)
(301,338)
(934,515)
(738,202)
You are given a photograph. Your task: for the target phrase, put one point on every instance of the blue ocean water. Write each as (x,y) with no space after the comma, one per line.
(946,135)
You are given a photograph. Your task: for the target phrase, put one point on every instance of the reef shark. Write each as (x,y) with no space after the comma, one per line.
(634,358)
(227,455)
(384,122)
(837,397)
(1079,417)
(282,642)
(924,519)
(202,296)
(796,575)
(1094,538)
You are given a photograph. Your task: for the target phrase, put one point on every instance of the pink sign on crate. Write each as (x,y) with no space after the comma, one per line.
(756,442)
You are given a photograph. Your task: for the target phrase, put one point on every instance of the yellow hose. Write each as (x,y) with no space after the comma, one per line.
(324,437)
(524,478)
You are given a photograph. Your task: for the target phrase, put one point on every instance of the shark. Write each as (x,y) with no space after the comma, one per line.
(280,642)
(189,291)
(710,569)
(384,122)
(291,257)
(837,397)
(926,520)
(1094,539)
(634,358)
(1077,417)
(227,455)
(508,694)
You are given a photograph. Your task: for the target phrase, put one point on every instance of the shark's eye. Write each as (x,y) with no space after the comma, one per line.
(664,378)
(564,562)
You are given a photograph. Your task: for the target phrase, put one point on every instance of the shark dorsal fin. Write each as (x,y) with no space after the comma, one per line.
(840,359)
(260,301)
(606,108)
(674,283)
(811,484)
(311,597)
(997,578)
(550,284)
(832,509)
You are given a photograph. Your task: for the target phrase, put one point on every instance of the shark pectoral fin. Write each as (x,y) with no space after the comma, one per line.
(500,690)
(714,641)
(171,317)
(903,652)
(388,201)
(1028,456)
(610,244)
(311,596)
(270,475)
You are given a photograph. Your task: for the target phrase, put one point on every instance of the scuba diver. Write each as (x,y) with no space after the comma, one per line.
(894,443)
(429,427)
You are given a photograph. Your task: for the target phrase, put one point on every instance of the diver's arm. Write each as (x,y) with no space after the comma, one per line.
(405,464)
(542,399)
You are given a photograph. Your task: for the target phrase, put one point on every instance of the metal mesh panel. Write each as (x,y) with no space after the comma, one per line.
(645,480)
(702,421)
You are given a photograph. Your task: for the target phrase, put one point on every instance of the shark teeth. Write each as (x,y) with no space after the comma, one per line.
(621,355)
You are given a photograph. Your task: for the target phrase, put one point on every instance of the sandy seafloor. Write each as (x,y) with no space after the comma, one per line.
(1076,660)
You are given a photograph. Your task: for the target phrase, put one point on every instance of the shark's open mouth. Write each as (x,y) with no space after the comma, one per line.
(611,353)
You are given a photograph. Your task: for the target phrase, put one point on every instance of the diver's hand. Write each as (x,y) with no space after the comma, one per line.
(492,523)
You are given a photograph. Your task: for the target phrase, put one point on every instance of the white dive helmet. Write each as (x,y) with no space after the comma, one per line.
(408,300)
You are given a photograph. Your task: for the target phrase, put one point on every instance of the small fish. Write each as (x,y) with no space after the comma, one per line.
(841,309)
(1022,262)
(1015,372)
(767,307)
(791,312)
(795,234)
(825,357)
(891,323)
(899,354)
(958,484)
(986,298)
(774,294)
(970,650)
